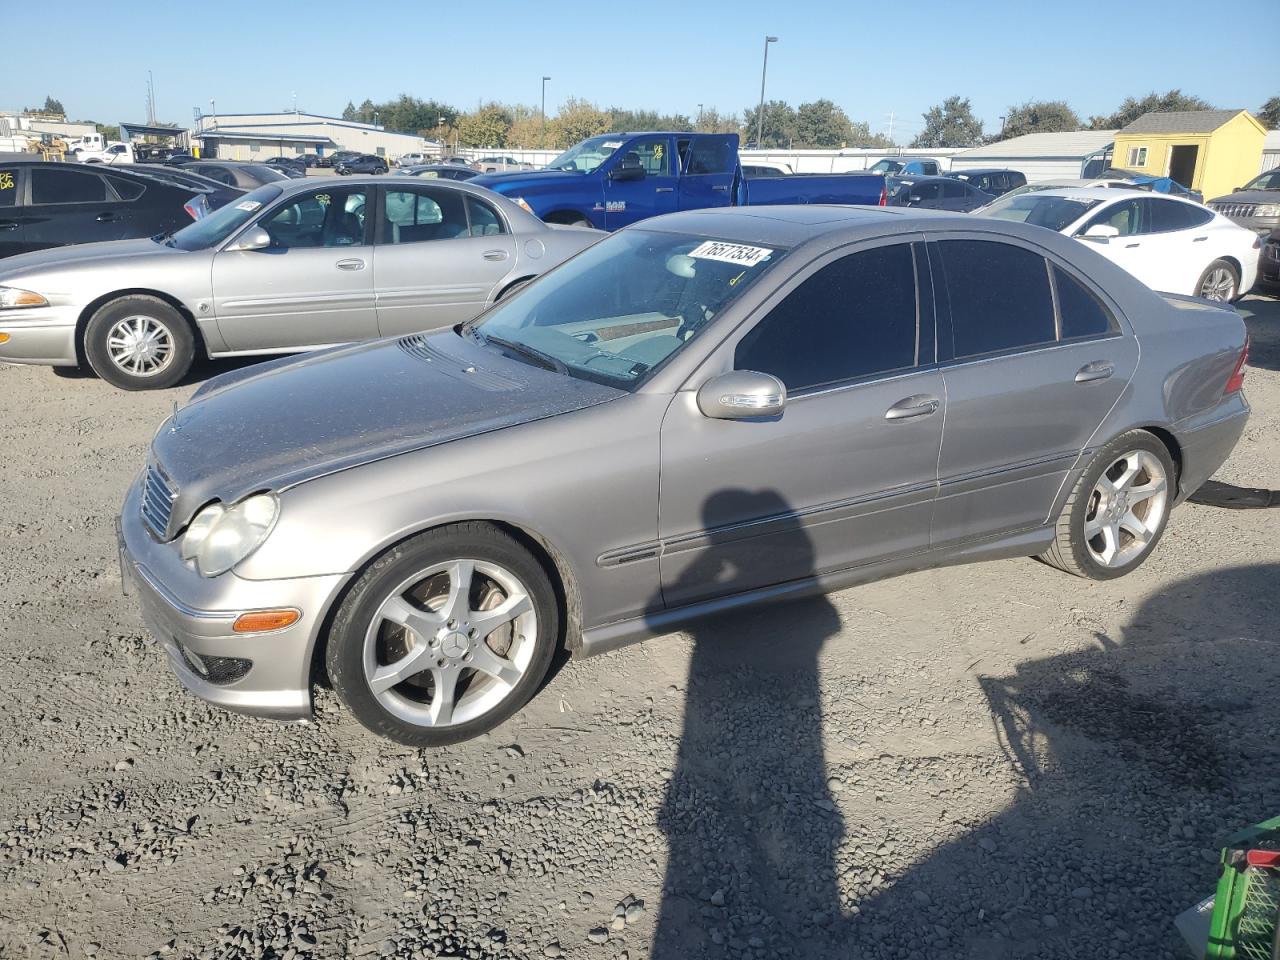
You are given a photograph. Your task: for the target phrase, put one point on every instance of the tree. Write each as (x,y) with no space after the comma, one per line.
(822,124)
(349,111)
(950,124)
(1038,116)
(486,127)
(1131,109)
(109,131)
(525,131)
(779,125)
(861,136)
(634,120)
(54,106)
(1269,114)
(712,120)
(577,120)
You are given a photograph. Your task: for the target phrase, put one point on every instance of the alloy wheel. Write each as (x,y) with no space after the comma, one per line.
(450,643)
(1219,284)
(1126,508)
(140,345)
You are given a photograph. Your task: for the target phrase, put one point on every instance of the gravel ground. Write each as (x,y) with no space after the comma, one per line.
(988,761)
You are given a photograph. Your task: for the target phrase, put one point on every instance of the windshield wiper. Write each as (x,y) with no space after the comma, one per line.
(526,351)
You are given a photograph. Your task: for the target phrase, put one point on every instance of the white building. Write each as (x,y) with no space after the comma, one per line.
(12,123)
(1271,150)
(260,136)
(1039,156)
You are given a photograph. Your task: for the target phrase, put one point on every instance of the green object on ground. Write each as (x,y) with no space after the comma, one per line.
(1246,909)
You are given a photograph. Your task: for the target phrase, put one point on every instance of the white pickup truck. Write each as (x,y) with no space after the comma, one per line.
(114,152)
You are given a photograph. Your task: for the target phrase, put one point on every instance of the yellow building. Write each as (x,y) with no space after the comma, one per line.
(1213,151)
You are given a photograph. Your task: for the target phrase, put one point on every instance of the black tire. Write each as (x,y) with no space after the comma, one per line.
(1070,551)
(181,338)
(344,655)
(1220,265)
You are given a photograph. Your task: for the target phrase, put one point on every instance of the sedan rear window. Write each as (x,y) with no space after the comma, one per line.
(623,306)
(1055,213)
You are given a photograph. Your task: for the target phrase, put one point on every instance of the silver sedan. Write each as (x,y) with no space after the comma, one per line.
(704,411)
(289,267)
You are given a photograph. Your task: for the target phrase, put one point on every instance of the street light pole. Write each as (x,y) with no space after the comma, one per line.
(699,114)
(542,140)
(213,114)
(760,113)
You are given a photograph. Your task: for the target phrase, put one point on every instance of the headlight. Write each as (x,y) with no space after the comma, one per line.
(11,298)
(519,202)
(219,537)
(1267,210)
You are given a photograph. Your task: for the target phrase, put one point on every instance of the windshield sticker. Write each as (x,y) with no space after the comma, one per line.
(611,144)
(248,205)
(738,253)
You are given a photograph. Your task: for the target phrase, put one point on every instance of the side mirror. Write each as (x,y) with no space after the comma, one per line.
(255,238)
(1101,232)
(742,395)
(627,171)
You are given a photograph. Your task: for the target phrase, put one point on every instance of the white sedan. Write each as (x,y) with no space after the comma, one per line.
(1171,245)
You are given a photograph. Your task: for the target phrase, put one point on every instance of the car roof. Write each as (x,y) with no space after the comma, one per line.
(1102,193)
(978,171)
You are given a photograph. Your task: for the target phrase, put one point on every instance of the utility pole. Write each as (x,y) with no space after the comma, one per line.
(699,114)
(760,113)
(542,141)
(892,117)
(151,99)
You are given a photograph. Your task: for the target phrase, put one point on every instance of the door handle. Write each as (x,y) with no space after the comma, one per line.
(106,217)
(350,264)
(1097,370)
(918,405)
(665,190)
(1199,239)
(1130,246)
(495,254)
(722,188)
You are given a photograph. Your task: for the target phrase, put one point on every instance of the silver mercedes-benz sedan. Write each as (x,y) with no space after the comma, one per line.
(290,267)
(704,411)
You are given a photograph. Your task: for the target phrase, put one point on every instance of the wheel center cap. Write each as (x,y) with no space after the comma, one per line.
(454,644)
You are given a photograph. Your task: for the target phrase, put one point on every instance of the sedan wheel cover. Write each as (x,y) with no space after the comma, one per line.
(1219,285)
(450,643)
(1126,508)
(140,346)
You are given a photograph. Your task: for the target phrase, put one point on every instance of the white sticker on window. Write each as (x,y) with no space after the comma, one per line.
(611,144)
(248,205)
(738,253)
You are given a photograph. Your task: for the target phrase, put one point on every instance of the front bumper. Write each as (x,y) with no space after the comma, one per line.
(40,335)
(262,674)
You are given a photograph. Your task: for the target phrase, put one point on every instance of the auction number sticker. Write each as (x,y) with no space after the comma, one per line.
(6,180)
(248,205)
(739,253)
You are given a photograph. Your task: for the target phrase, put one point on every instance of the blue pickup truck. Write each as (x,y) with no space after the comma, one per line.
(614,180)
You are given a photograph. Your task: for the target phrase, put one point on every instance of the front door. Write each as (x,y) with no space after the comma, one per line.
(440,258)
(847,474)
(626,201)
(69,205)
(1027,384)
(312,286)
(1133,248)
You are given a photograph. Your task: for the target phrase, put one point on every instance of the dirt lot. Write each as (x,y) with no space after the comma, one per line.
(991,761)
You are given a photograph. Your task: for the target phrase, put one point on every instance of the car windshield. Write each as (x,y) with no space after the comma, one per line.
(586,156)
(1266,181)
(897,187)
(226,220)
(886,166)
(619,309)
(1038,209)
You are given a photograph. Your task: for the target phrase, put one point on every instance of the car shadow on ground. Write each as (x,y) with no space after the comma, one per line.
(203,369)
(1131,758)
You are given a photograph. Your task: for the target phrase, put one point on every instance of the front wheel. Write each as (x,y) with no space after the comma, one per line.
(139,343)
(1117,510)
(1220,282)
(444,636)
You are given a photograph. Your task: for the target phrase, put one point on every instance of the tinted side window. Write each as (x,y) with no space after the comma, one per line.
(1000,298)
(484,220)
(126,189)
(927,191)
(1083,315)
(1171,215)
(66,186)
(8,187)
(954,190)
(853,318)
(710,155)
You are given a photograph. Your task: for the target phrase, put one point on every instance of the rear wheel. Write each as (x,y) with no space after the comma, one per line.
(139,343)
(444,636)
(1117,511)
(1220,281)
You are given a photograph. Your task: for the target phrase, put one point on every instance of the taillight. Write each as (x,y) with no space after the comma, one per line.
(1236,380)
(191,211)
(884,195)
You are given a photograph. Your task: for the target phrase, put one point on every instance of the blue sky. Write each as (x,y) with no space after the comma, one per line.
(871,59)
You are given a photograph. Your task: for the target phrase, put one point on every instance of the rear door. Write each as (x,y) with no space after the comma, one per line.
(1033,359)
(1132,248)
(1179,241)
(313,286)
(69,205)
(710,164)
(12,231)
(626,201)
(441,256)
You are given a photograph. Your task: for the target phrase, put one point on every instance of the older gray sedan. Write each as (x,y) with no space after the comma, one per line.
(709,410)
(289,267)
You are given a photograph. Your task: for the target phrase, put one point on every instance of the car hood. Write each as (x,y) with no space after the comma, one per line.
(275,425)
(57,258)
(517,181)
(1249,196)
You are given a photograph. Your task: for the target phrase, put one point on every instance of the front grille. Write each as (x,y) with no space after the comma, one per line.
(1235,209)
(219,671)
(157,500)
